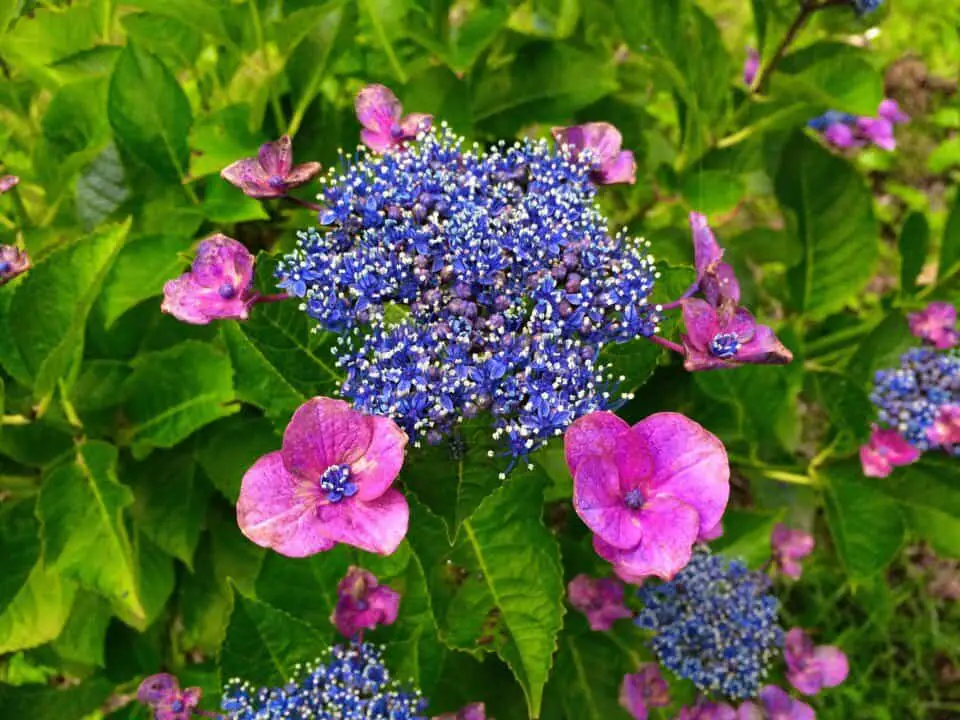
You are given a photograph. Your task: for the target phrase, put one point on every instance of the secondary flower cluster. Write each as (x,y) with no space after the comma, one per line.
(13,262)
(464,279)
(843,130)
(162,694)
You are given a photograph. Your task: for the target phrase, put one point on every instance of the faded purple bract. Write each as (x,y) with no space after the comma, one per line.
(648,492)
(936,324)
(643,690)
(363,603)
(715,278)
(751,66)
(163,695)
(473,711)
(886,450)
(272,173)
(879,129)
(946,426)
(13,262)
(381,114)
(789,547)
(727,336)
(706,710)
(603,141)
(7,182)
(329,483)
(218,286)
(600,599)
(775,704)
(811,668)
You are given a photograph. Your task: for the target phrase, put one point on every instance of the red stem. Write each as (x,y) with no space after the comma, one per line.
(304,203)
(278,297)
(666,343)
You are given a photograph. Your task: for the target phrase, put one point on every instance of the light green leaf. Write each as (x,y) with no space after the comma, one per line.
(83,637)
(223,203)
(832,76)
(221,138)
(38,613)
(49,36)
(830,209)
(386,18)
(203,15)
(553,19)
(167,37)
(155,581)
(173,393)
(84,534)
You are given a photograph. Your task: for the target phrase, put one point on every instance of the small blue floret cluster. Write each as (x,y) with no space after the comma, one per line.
(863,7)
(464,280)
(352,684)
(715,624)
(909,397)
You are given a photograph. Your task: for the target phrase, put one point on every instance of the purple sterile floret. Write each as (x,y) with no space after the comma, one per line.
(936,324)
(789,546)
(707,710)
(727,336)
(751,66)
(473,711)
(643,690)
(601,142)
(272,173)
(363,603)
(810,668)
(886,450)
(600,599)
(775,704)
(7,182)
(13,262)
(381,114)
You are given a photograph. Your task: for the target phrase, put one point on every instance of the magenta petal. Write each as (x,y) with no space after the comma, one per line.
(303,173)
(946,426)
(7,182)
(740,323)
(721,286)
(600,600)
(750,66)
(597,433)
(765,348)
(873,463)
(276,158)
(632,697)
(375,470)
(414,123)
(894,448)
(157,688)
(701,323)
(324,432)
(377,109)
(599,503)
(604,140)
(274,512)
(833,665)
(622,169)
(707,252)
(670,529)
(689,464)
(378,526)
(890,110)
(839,135)
(377,141)
(750,711)
(179,300)
(709,534)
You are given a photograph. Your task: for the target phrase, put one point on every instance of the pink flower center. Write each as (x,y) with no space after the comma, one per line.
(335,482)
(633,499)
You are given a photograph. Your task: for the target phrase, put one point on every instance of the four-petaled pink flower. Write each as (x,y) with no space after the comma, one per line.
(600,599)
(381,114)
(811,668)
(775,704)
(163,695)
(789,547)
(329,483)
(886,449)
(363,603)
(936,324)
(473,711)
(13,262)
(7,182)
(609,163)
(219,285)
(751,66)
(715,278)
(272,173)
(727,336)
(648,492)
(946,426)
(706,710)
(643,690)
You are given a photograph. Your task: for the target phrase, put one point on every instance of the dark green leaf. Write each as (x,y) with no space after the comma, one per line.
(847,403)
(82,639)
(19,546)
(831,76)
(746,536)
(881,348)
(200,14)
(586,682)
(230,447)
(223,203)
(713,191)
(304,587)
(42,702)
(931,501)
(950,247)
(913,244)
(167,37)
(101,188)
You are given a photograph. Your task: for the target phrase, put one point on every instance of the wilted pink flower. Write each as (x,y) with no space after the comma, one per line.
(775,704)
(155,688)
(706,710)
(610,163)
(936,324)
(643,690)
(600,599)
(329,483)
(886,449)
(946,426)
(272,173)
(715,278)
(647,491)
(727,336)
(13,262)
(380,113)
(363,603)
(7,182)
(751,66)
(473,711)
(163,694)
(811,668)
(218,286)
(790,546)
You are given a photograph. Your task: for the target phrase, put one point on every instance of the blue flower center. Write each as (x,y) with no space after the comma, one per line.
(724,345)
(633,499)
(4,266)
(277,182)
(227,291)
(335,482)
(396,132)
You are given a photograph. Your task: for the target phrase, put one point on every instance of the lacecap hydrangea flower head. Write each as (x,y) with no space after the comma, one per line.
(464,279)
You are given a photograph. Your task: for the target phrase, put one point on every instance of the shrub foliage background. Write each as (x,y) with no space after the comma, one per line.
(126,433)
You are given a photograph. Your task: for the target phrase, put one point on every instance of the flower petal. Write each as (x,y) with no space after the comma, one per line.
(276,158)
(377,141)
(378,526)
(707,252)
(701,323)
(873,463)
(415,123)
(670,529)
(302,174)
(621,169)
(248,175)
(721,286)
(833,665)
(376,469)
(597,433)
(273,512)
(765,348)
(377,109)
(324,432)
(599,503)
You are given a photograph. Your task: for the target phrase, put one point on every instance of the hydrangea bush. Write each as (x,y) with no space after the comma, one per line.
(372,360)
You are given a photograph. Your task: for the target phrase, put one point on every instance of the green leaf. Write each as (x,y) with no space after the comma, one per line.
(49,36)
(264,644)
(142,267)
(830,209)
(713,191)
(83,637)
(386,18)
(881,348)
(155,581)
(84,535)
(304,587)
(746,536)
(57,295)
(931,501)
(950,247)
(43,702)
(230,447)
(175,392)
(913,244)
(460,37)
(19,547)
(101,188)
(178,42)
(222,203)
(149,113)
(38,612)
(204,603)
(171,502)
(203,15)
(586,682)
(847,404)
(553,19)
(831,76)
(866,524)
(220,139)
(500,586)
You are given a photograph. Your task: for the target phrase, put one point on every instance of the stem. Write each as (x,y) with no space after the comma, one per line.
(278,117)
(278,297)
(21,209)
(303,203)
(656,339)
(14,420)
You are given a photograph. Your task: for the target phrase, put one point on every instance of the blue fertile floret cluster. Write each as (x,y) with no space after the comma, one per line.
(909,397)
(352,684)
(463,280)
(715,624)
